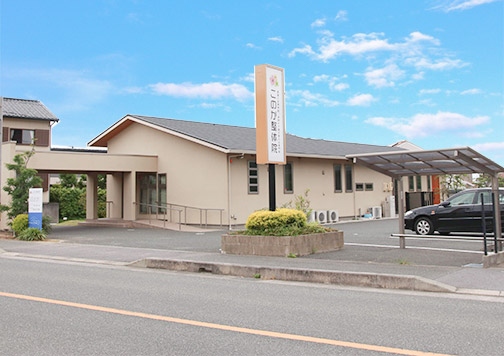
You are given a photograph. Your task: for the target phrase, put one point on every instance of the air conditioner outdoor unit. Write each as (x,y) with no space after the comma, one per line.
(313,216)
(377,212)
(332,216)
(321,216)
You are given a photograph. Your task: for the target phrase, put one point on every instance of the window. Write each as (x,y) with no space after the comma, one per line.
(419,183)
(23,137)
(411,184)
(148,192)
(368,187)
(253,178)
(162,192)
(359,187)
(348,178)
(462,199)
(338,184)
(288,185)
(428,183)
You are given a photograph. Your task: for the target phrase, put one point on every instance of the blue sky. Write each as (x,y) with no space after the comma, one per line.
(377,72)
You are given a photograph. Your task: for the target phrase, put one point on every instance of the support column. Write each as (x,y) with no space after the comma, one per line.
(498,221)
(129,196)
(114,196)
(400,206)
(92,196)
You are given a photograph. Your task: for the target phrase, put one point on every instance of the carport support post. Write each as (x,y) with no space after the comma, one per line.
(498,221)
(400,206)
(92,196)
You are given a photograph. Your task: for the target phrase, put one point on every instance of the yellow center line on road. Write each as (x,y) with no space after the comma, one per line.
(317,340)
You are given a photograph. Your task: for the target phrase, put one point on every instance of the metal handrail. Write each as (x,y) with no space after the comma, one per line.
(201,210)
(165,208)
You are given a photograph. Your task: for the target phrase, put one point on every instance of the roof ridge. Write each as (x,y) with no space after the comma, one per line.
(346,142)
(19,99)
(191,121)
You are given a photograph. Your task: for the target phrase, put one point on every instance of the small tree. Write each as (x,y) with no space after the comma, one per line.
(485,180)
(18,187)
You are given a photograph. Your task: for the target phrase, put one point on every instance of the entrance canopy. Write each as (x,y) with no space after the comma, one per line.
(462,160)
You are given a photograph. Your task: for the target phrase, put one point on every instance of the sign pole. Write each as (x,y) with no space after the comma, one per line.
(272,190)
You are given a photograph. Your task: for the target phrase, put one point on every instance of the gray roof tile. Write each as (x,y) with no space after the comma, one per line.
(26,109)
(238,138)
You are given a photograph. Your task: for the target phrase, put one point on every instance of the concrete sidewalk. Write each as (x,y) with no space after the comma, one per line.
(328,269)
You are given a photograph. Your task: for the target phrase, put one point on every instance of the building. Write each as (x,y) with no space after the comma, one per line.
(204,172)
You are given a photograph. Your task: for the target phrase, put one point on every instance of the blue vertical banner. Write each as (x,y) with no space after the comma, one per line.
(35,208)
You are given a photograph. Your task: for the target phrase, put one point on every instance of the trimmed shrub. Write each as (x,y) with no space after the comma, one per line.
(20,224)
(272,222)
(32,234)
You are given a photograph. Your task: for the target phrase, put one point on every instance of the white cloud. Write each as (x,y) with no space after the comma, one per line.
(362,43)
(307,98)
(383,77)
(321,78)
(253,46)
(213,106)
(461,5)
(276,39)
(332,81)
(79,90)
(418,76)
(471,91)
(319,23)
(361,100)
(429,91)
(248,78)
(489,146)
(339,86)
(341,16)
(306,49)
(440,64)
(418,36)
(213,90)
(422,125)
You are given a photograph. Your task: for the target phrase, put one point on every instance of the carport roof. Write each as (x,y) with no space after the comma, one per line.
(462,160)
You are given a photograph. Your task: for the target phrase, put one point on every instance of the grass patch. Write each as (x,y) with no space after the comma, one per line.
(403,262)
(69,223)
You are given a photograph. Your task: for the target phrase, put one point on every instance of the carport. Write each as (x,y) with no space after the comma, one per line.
(463,160)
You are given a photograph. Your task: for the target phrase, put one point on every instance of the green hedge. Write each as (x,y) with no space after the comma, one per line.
(72,202)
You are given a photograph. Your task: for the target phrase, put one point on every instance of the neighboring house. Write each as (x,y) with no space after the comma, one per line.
(194,165)
(26,124)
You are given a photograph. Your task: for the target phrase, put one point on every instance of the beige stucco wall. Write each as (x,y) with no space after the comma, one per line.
(8,152)
(29,125)
(196,175)
(317,175)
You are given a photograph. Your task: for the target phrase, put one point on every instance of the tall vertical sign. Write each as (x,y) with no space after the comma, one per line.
(35,208)
(270,121)
(270,114)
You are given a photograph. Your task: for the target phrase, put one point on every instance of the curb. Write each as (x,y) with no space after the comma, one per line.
(372,280)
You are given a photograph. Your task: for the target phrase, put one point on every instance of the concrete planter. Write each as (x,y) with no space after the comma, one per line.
(283,246)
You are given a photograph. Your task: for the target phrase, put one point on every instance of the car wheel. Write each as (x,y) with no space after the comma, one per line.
(423,226)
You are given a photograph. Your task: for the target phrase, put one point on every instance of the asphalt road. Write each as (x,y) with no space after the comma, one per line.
(366,318)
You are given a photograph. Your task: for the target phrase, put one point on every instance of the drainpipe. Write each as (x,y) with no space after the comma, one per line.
(229,185)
